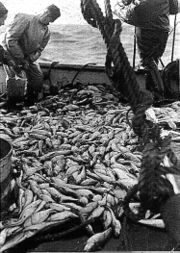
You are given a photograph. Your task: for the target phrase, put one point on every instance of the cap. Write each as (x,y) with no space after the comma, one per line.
(3,10)
(54,11)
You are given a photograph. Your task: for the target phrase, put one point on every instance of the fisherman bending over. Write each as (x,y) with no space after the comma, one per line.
(25,39)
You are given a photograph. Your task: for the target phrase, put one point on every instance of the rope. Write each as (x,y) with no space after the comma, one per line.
(153,187)
(79,71)
(116,55)
(108,10)
(47,75)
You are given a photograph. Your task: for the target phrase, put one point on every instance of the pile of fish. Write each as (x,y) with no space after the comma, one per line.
(75,156)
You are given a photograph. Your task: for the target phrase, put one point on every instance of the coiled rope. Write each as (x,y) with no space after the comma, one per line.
(153,187)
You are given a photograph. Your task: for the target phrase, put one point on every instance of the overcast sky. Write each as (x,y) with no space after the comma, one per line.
(70,9)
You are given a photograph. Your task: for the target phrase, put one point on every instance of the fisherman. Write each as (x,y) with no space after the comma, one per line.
(3,16)
(151,18)
(25,39)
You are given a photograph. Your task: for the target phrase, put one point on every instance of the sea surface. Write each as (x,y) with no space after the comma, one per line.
(73,41)
(82,44)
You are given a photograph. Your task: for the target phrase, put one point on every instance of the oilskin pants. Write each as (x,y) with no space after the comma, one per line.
(151,45)
(35,82)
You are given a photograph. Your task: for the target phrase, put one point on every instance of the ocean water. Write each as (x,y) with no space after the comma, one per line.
(73,41)
(82,44)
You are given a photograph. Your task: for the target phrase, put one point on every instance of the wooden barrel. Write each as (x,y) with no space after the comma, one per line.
(5,171)
(16,84)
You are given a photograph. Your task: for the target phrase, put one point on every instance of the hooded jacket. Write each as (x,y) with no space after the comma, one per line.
(25,35)
(148,14)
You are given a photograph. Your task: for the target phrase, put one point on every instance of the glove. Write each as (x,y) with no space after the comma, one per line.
(137,2)
(5,57)
(126,2)
(34,56)
(24,64)
(123,3)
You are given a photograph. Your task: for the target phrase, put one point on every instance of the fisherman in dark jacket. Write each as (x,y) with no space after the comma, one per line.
(25,39)
(151,18)
(3,14)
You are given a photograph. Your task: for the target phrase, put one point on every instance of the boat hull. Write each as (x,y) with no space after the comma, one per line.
(64,74)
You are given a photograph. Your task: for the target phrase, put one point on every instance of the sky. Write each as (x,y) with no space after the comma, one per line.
(70,9)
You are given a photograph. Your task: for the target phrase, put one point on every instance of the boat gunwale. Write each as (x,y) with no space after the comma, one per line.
(84,68)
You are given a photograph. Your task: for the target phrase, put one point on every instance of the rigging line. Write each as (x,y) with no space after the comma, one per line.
(177,23)
(134,53)
(82,68)
(174,35)
(161,62)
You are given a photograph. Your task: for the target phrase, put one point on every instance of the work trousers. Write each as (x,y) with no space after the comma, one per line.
(35,80)
(151,44)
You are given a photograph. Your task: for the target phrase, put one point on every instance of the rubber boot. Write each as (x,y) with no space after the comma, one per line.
(31,98)
(171,216)
(152,87)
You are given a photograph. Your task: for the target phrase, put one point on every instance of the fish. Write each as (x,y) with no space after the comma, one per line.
(58,207)
(11,230)
(21,199)
(37,217)
(41,205)
(3,235)
(96,241)
(13,241)
(116,225)
(62,216)
(77,158)
(26,212)
(46,198)
(97,212)
(157,223)
(81,176)
(52,154)
(21,236)
(34,187)
(107,218)
(41,226)
(84,193)
(85,211)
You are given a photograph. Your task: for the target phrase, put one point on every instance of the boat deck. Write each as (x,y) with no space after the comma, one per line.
(133,237)
(138,238)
